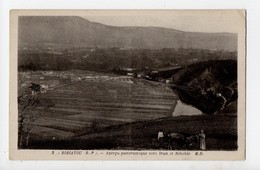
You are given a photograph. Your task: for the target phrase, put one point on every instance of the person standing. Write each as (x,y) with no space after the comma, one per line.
(160,138)
(202,140)
(160,134)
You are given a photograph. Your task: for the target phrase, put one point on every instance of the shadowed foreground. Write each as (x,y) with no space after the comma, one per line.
(220,130)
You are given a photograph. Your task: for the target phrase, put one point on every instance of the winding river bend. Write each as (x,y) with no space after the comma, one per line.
(184,109)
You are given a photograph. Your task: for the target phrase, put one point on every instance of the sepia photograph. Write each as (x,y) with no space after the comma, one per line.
(115,84)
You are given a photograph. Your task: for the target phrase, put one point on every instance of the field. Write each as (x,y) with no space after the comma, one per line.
(90,105)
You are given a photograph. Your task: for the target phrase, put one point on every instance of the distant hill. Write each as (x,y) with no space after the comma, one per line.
(76,31)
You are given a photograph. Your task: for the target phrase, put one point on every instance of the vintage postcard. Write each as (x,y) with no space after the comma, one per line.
(127,84)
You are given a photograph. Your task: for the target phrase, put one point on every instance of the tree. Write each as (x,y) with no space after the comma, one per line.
(27,114)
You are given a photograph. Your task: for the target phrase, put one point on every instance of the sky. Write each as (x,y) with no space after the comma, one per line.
(193,21)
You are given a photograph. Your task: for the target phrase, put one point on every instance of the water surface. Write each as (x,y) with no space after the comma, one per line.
(184,109)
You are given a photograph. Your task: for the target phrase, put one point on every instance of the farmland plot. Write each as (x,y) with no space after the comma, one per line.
(105,102)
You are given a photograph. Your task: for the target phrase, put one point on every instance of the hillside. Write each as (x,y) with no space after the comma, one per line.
(200,84)
(220,130)
(75,31)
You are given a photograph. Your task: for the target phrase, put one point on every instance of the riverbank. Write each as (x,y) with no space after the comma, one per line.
(209,86)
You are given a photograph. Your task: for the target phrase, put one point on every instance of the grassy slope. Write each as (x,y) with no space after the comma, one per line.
(220,130)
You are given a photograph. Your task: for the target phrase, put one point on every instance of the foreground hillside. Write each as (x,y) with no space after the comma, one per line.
(220,130)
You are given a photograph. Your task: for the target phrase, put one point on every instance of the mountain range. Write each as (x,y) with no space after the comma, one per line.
(75,31)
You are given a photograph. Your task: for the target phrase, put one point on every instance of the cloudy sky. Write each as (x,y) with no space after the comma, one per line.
(194,21)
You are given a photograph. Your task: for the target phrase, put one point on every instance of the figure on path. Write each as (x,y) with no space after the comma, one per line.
(160,134)
(202,140)
(160,137)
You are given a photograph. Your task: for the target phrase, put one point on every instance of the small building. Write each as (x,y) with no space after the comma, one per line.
(130,74)
(47,73)
(44,88)
(23,85)
(129,69)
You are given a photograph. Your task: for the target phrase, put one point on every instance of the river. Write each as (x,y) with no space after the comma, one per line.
(184,109)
